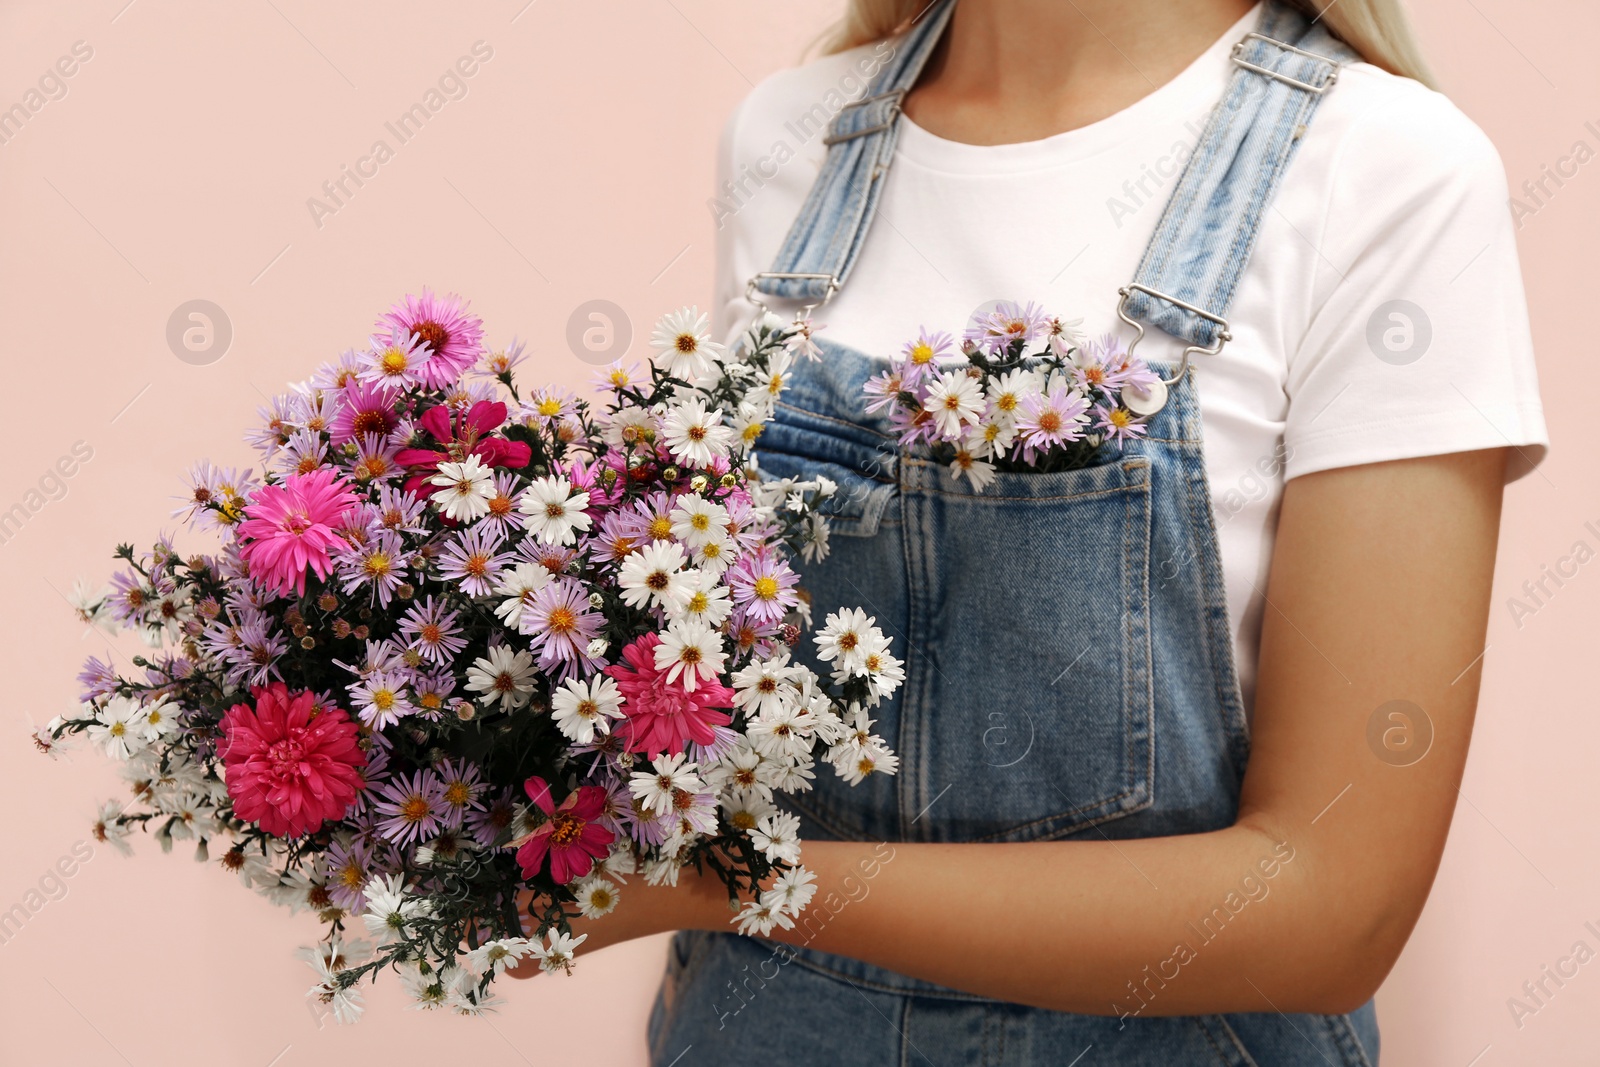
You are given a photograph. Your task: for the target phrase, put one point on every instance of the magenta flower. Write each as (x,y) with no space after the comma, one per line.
(288,771)
(291,527)
(661,717)
(454,337)
(462,435)
(364,407)
(570,837)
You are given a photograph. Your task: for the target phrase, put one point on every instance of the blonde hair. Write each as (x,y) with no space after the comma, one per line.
(1377,29)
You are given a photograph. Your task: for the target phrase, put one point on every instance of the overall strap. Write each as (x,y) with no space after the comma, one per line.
(1185,283)
(826,237)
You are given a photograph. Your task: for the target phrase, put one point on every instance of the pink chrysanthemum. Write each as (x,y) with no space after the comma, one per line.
(289,770)
(291,527)
(571,836)
(663,717)
(444,325)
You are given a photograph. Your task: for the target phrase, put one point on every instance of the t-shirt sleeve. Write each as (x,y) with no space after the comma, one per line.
(1420,345)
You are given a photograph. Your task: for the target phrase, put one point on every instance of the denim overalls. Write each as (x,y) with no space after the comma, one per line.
(1058,685)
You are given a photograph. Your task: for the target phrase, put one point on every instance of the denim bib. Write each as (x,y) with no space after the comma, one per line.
(1058,685)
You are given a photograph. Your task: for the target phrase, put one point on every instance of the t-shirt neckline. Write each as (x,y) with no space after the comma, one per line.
(1201,80)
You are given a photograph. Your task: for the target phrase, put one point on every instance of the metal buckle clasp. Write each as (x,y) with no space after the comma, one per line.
(897,95)
(1317,90)
(753,295)
(1223,336)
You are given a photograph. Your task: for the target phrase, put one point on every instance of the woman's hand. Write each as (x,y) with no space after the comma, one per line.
(696,902)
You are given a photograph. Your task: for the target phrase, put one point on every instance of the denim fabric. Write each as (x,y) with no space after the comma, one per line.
(1069,665)
(1069,673)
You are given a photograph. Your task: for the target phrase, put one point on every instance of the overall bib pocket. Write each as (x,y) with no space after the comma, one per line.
(1030,701)
(1022,615)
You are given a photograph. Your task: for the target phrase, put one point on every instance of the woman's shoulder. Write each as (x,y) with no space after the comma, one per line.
(1398,137)
(796,104)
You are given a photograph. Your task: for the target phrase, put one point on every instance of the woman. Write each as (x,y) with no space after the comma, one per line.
(1181,733)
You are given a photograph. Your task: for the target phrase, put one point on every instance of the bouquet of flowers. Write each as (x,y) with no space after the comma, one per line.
(464,660)
(1004,409)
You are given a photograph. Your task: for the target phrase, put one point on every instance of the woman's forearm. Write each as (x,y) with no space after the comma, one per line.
(1223,921)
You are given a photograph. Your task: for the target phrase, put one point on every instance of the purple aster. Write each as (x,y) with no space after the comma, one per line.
(129,599)
(97,678)
(400,511)
(410,808)
(347,869)
(473,560)
(363,408)
(921,357)
(379,565)
(493,820)
(430,631)
(560,623)
(1118,423)
(1046,420)
(1006,325)
(432,692)
(762,585)
(883,390)
(461,788)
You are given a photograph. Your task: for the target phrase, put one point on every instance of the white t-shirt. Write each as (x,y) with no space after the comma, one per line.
(1381,316)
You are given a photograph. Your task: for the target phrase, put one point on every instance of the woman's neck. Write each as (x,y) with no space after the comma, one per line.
(1021,70)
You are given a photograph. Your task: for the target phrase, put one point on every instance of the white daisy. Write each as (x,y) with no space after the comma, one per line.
(690,650)
(389,908)
(777,836)
(696,520)
(977,471)
(743,810)
(558,956)
(760,918)
(854,761)
(596,896)
(108,831)
(654,575)
(519,585)
(555,513)
(89,605)
(846,638)
(160,719)
(705,600)
(579,708)
(653,788)
(465,489)
(763,686)
(683,340)
(119,727)
(503,675)
(785,732)
(715,557)
(954,399)
(792,891)
(496,957)
(695,435)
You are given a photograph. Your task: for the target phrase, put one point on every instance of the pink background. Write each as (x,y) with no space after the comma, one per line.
(577,167)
